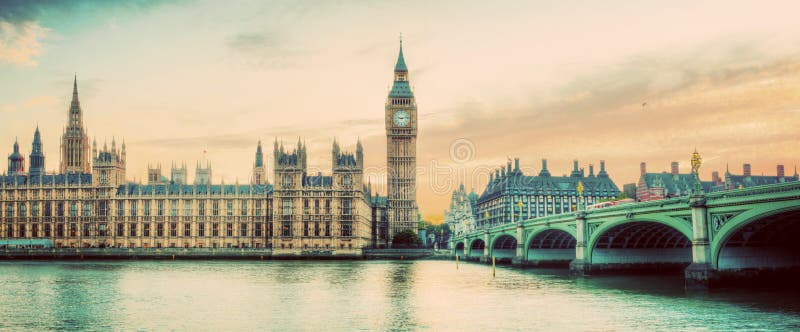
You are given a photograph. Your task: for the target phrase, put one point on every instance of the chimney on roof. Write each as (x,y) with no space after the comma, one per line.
(591,170)
(643,168)
(746,169)
(781,171)
(508,167)
(516,165)
(715,178)
(674,168)
(544,171)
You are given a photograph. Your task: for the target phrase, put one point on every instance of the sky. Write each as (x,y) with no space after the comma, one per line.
(624,82)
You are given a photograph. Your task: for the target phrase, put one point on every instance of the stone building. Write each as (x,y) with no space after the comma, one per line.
(461,214)
(511,195)
(656,186)
(75,142)
(91,203)
(747,179)
(401,151)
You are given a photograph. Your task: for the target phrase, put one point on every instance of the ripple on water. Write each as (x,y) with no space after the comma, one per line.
(365,296)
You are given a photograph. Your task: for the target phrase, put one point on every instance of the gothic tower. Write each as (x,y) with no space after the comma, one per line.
(401,149)
(202,175)
(16,161)
(154,174)
(178,174)
(108,166)
(259,169)
(75,142)
(36,158)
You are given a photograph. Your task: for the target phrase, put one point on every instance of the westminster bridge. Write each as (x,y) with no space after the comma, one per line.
(715,236)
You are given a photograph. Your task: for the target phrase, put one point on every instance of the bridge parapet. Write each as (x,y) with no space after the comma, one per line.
(773,192)
(694,230)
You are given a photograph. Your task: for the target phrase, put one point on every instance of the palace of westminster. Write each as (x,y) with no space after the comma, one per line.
(91,203)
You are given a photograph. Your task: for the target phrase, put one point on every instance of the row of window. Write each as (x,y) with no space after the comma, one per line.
(318,228)
(160,229)
(134,229)
(47,193)
(47,209)
(85,208)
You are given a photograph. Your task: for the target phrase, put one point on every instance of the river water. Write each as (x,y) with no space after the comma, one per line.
(366,296)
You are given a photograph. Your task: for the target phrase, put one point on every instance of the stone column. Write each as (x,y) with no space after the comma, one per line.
(700,274)
(519,258)
(486,249)
(582,263)
(452,246)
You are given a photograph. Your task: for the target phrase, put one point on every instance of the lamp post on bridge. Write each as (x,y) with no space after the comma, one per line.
(582,264)
(700,274)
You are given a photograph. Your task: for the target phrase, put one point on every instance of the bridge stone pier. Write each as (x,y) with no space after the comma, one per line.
(729,236)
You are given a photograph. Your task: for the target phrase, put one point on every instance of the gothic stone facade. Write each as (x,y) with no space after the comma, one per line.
(94,205)
(401,151)
(512,196)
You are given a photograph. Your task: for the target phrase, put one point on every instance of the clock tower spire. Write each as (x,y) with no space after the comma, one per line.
(401,149)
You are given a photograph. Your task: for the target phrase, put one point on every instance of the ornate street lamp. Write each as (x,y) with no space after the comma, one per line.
(696,163)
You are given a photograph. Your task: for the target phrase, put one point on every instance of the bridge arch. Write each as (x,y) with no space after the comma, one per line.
(764,237)
(504,246)
(459,248)
(654,242)
(554,245)
(476,247)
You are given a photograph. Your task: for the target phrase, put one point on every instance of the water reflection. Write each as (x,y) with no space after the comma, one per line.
(368,296)
(399,283)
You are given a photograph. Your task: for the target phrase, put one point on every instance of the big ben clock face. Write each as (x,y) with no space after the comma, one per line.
(401,118)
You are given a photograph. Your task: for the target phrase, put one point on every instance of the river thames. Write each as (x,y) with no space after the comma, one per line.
(366,296)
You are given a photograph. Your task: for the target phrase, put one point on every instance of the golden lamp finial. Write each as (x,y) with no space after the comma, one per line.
(696,162)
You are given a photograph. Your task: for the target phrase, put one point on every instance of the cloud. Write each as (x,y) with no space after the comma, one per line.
(253,42)
(266,49)
(24,24)
(20,43)
(732,109)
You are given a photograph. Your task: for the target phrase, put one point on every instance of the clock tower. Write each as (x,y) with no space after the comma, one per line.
(401,151)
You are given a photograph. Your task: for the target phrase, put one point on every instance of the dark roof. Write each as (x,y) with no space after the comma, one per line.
(379,201)
(518,183)
(287,159)
(734,181)
(676,184)
(134,189)
(317,181)
(104,156)
(346,159)
(401,89)
(401,60)
(57,179)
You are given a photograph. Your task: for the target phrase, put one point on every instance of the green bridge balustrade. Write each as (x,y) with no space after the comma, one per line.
(711,236)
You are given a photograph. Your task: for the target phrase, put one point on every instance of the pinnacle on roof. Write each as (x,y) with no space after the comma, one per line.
(75,87)
(401,62)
